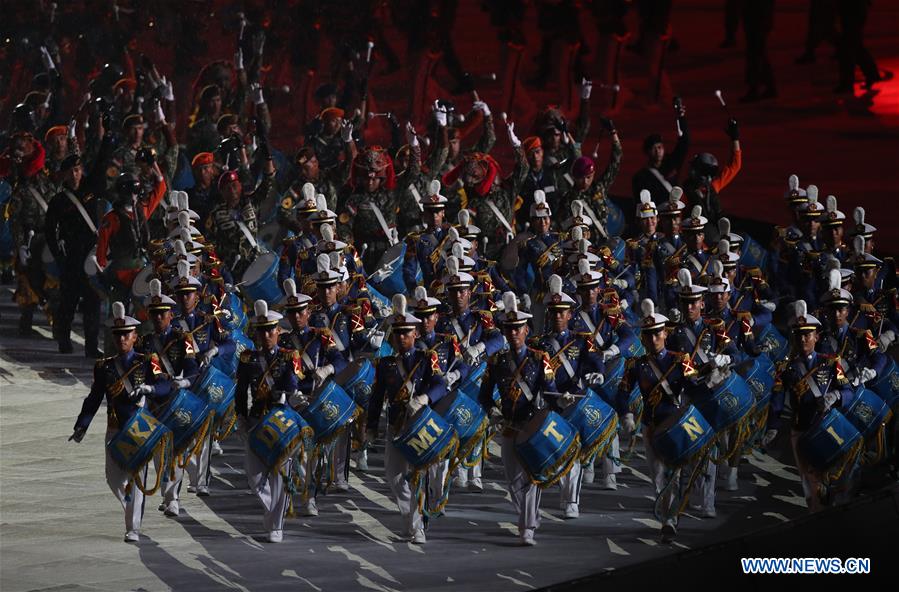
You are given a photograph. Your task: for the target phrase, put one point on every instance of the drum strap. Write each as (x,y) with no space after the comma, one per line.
(123,375)
(499,215)
(563,358)
(595,218)
(809,379)
(516,378)
(163,358)
(38,198)
(597,337)
(695,344)
(266,378)
(662,378)
(340,345)
(247,234)
(661,179)
(190,334)
(78,206)
(416,195)
(295,339)
(464,338)
(408,380)
(381,221)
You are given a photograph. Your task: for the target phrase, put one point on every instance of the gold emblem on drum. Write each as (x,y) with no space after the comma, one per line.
(330,411)
(864,413)
(771,343)
(182,418)
(729,402)
(894,382)
(463,416)
(758,389)
(593,416)
(216,393)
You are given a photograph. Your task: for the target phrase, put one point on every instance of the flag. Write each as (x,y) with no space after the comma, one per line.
(688,368)
(154,365)
(869,339)
(189,349)
(435,363)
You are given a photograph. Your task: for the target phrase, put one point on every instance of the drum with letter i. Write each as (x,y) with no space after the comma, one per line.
(548,446)
(357,379)
(188,416)
(426,439)
(260,280)
(388,279)
(832,443)
(330,411)
(596,423)
(468,419)
(278,435)
(683,436)
(218,389)
(142,439)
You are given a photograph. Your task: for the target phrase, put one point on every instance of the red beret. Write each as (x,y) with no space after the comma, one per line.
(531,143)
(202,158)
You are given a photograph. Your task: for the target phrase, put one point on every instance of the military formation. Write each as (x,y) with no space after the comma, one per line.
(417,298)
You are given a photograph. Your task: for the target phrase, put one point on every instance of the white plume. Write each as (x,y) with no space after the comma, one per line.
(421,293)
(577,208)
(723,246)
(583,267)
(183,269)
(179,248)
(800,307)
(321,203)
(793,182)
(539,197)
(452,265)
(555,284)
(831,203)
(577,234)
(327,233)
(464,218)
(290,288)
(399,304)
(510,303)
(308,192)
(322,263)
(858,244)
(675,194)
(118,310)
(155,287)
(647,307)
(458,251)
(260,307)
(858,214)
(716,268)
(434,187)
(724,226)
(834,279)
(645,196)
(684,278)
(812,192)
(183,219)
(696,212)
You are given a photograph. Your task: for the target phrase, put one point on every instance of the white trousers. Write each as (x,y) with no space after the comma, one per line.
(609,467)
(124,488)
(269,488)
(436,476)
(396,468)
(570,485)
(197,471)
(525,495)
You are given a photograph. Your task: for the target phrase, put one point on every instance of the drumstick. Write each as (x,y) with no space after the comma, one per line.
(723,104)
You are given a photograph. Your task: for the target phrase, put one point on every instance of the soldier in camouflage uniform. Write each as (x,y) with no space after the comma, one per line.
(589,187)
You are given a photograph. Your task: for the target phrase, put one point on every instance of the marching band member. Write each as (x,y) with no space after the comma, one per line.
(522,375)
(126,381)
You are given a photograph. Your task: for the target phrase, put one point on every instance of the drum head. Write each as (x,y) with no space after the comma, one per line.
(350,371)
(271,234)
(531,427)
(446,402)
(259,267)
(671,420)
(141,286)
(392,257)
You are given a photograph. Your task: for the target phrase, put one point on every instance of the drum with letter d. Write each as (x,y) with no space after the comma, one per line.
(828,442)
(187,415)
(548,447)
(726,404)
(596,423)
(260,280)
(357,379)
(467,417)
(142,438)
(278,435)
(330,411)
(426,439)
(682,436)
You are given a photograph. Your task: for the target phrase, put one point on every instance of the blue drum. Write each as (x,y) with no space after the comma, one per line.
(777,345)
(725,405)
(234,307)
(753,254)
(548,446)
(331,410)
(375,295)
(260,280)
(682,436)
(187,416)
(615,219)
(886,384)
(828,442)
(608,391)
(228,364)
(357,379)
(617,246)
(426,439)
(388,277)
(218,389)
(468,419)
(867,412)
(278,435)
(760,378)
(471,386)
(142,438)
(596,423)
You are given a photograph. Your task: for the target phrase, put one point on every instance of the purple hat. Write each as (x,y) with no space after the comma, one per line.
(582,167)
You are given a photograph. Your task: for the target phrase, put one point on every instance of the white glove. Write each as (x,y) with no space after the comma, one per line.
(496,416)
(238,59)
(181,383)
(620,284)
(24,255)
(440,114)
(482,107)
(513,139)
(229,288)
(715,378)
(830,397)
(99,267)
(256,91)
(416,403)
(71,131)
(886,339)
(473,353)
(376,338)
(62,247)
(769,437)
(770,306)
(144,390)
(586,88)
(298,400)
(610,352)
(867,374)
(323,372)
(595,379)
(47,59)
(628,423)
(452,377)
(206,356)
(346,131)
(721,360)
(160,114)
(411,137)
(566,400)
(168,90)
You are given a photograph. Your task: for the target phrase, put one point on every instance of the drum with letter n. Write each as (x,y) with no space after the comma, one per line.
(142,438)
(330,411)
(187,415)
(682,436)
(468,419)
(548,447)
(724,405)
(260,280)
(596,423)
(357,379)
(426,439)
(278,435)
(830,442)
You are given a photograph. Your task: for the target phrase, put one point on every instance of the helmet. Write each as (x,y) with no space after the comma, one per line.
(704,165)
(127,184)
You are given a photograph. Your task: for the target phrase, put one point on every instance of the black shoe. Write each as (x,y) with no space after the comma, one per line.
(25,320)
(92,352)
(65,346)
(806,58)
(668,533)
(6,276)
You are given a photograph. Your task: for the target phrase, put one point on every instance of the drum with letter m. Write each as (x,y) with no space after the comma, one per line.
(426,439)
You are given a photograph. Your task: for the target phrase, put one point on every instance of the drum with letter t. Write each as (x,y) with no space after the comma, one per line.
(548,447)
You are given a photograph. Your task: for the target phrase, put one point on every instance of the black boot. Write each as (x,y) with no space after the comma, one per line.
(25,322)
